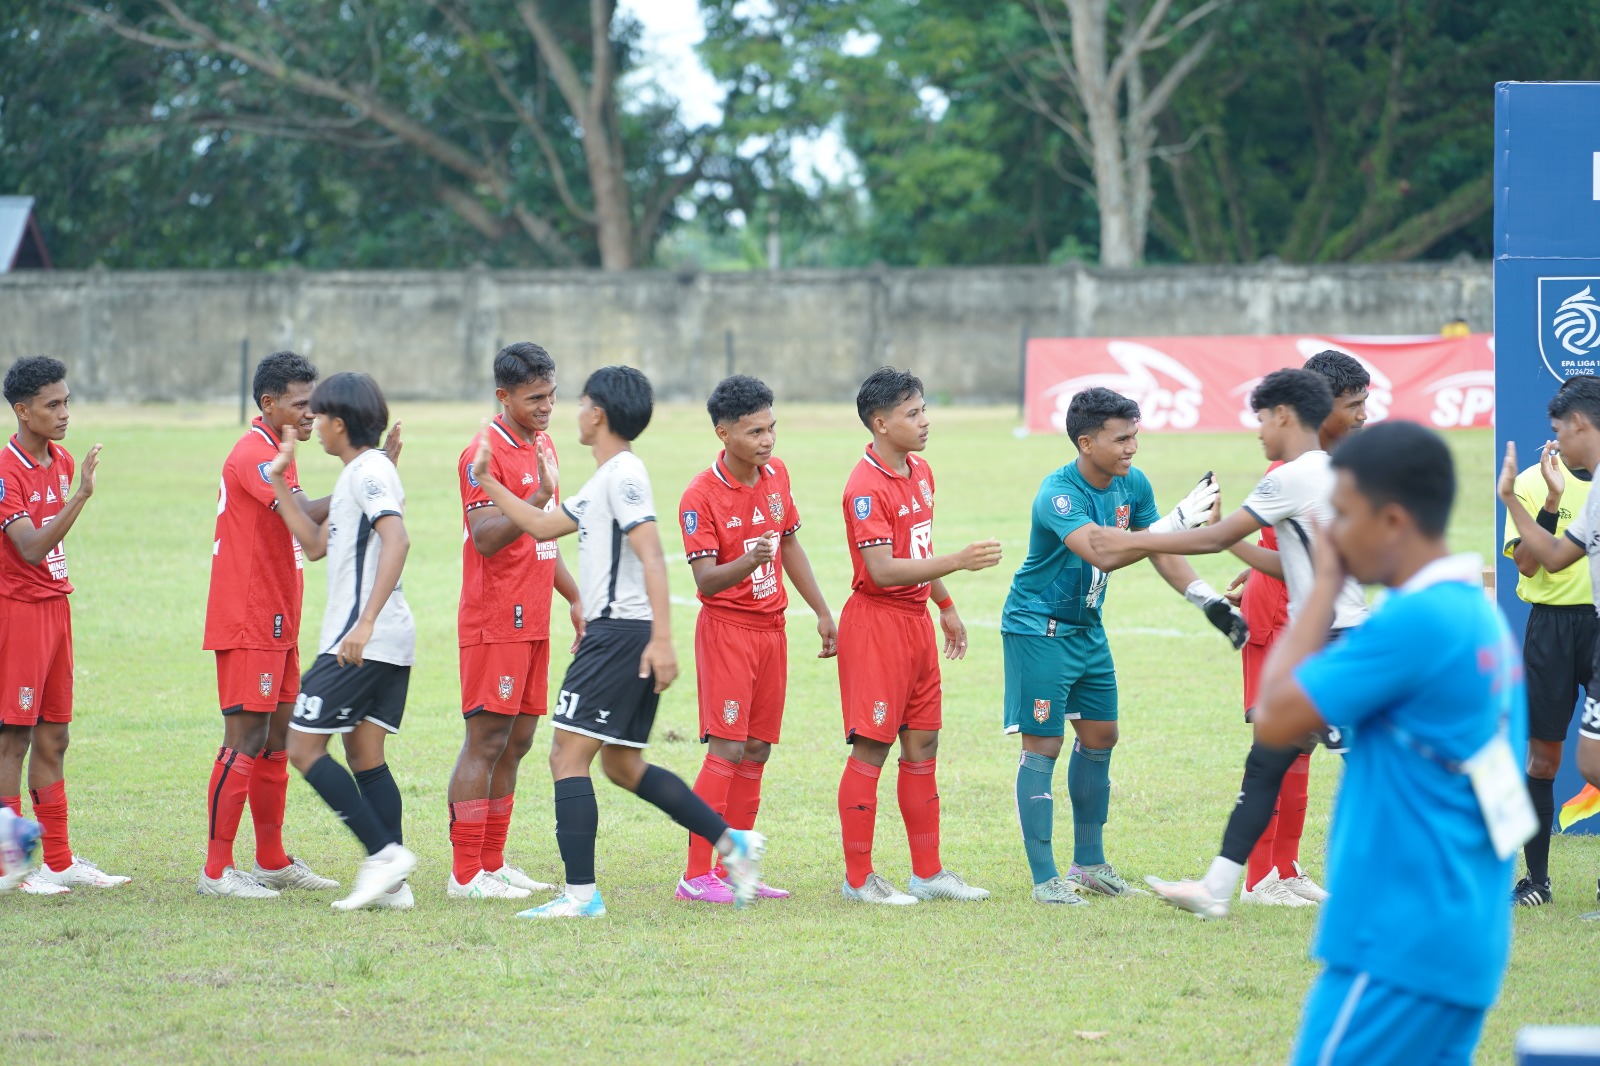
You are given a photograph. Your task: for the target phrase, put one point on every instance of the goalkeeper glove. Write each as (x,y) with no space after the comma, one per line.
(1192,511)
(1219,612)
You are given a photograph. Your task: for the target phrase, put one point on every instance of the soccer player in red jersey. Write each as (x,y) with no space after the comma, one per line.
(253,627)
(888,656)
(740,533)
(36,514)
(504,625)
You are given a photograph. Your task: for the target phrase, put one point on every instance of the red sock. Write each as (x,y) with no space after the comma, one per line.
(50,809)
(858,816)
(712,785)
(14,802)
(1260,864)
(468,820)
(919,807)
(495,829)
(1292,816)
(269,792)
(744,798)
(230,781)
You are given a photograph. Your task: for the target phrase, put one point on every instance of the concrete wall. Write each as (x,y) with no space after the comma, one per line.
(812,334)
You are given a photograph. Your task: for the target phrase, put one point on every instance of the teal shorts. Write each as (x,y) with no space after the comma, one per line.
(1052,679)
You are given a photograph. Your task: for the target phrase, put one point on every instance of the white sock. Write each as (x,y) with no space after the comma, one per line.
(1222,878)
(581,893)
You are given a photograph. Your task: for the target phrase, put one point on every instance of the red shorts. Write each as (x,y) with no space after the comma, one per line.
(257,679)
(888,669)
(1252,657)
(35,662)
(742,675)
(506,678)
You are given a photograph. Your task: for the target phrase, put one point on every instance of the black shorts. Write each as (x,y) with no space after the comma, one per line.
(334,698)
(603,695)
(1558,653)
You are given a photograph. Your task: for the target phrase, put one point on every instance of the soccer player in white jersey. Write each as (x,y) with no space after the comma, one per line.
(625,660)
(1295,500)
(357,686)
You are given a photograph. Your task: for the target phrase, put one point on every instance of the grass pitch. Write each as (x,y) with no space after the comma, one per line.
(153,973)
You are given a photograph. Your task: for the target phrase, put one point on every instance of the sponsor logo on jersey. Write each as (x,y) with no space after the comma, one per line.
(266,685)
(277,627)
(735,522)
(25,698)
(516,617)
(49,495)
(1062,504)
(730,711)
(775,506)
(527,478)
(927,493)
(265,470)
(904,510)
(1124,514)
(916,507)
(1041,711)
(691,523)
(756,518)
(880,712)
(922,540)
(506,685)
(863,506)
(33,497)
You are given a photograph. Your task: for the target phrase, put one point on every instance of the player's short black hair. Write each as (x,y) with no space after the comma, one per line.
(522,363)
(1091,409)
(357,399)
(278,371)
(1345,373)
(735,397)
(1303,391)
(30,374)
(1404,464)
(624,394)
(1578,394)
(883,389)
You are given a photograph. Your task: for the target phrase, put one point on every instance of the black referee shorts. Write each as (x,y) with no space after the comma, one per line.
(1558,655)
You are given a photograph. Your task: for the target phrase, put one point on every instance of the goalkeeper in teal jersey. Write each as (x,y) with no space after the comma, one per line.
(1057,663)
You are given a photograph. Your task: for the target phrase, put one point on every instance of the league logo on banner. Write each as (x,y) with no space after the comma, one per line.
(1569,325)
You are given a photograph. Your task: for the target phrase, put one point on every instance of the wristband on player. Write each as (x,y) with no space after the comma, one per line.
(1547,520)
(945,604)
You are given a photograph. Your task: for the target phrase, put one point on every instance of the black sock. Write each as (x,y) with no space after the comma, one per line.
(666,790)
(1264,769)
(1537,851)
(577,820)
(340,791)
(379,789)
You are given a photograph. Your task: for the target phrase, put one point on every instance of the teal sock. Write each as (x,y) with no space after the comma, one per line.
(1089,785)
(1036,810)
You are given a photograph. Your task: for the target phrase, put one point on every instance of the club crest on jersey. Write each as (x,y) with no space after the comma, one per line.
(730,711)
(880,712)
(863,506)
(506,685)
(1062,504)
(691,522)
(632,491)
(1123,514)
(1041,711)
(775,506)
(472,479)
(64,484)
(265,470)
(266,685)
(2,488)
(927,493)
(25,698)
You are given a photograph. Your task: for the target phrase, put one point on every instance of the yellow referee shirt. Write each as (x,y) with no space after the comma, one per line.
(1569,586)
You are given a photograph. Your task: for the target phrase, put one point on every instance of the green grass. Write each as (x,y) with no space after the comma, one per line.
(152,973)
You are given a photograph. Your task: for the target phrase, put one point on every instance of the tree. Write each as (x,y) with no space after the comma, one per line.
(453,85)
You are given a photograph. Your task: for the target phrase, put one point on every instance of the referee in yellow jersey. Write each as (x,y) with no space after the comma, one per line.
(1558,649)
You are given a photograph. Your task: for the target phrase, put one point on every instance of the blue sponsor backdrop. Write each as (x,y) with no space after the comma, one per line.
(1546,287)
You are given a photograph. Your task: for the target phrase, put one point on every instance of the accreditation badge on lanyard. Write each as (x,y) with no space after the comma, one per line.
(1497,779)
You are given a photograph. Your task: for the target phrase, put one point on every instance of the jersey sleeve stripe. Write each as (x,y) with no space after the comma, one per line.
(1566,533)
(874,543)
(12,518)
(1252,513)
(569,512)
(482,503)
(631,526)
(707,553)
(383,514)
(792,529)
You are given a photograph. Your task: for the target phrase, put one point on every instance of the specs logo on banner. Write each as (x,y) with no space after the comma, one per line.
(1569,325)
(1168,393)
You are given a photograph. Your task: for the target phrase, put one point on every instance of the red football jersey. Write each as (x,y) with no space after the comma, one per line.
(37,493)
(257,568)
(723,518)
(881,507)
(505,597)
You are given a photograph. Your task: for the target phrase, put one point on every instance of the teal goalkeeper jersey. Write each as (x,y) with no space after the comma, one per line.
(1054,587)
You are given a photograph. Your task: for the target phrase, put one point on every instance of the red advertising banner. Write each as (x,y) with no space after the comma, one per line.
(1203,383)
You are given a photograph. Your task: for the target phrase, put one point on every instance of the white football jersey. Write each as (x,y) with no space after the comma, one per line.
(367,489)
(1296,501)
(610,504)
